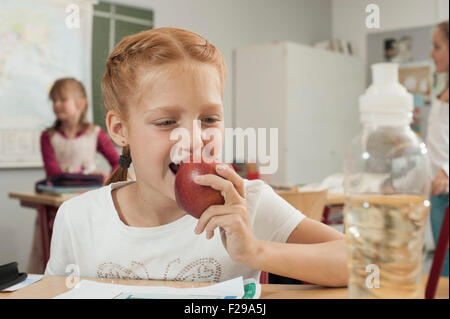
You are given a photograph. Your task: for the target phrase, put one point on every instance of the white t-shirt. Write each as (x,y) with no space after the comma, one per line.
(438,137)
(88,233)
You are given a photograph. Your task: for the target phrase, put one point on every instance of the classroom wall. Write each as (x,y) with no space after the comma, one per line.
(227,24)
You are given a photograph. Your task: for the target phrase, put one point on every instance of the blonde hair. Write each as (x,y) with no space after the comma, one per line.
(148,51)
(74,86)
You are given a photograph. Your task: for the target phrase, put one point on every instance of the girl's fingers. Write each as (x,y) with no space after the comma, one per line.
(223,221)
(226,187)
(214,211)
(228,173)
(231,186)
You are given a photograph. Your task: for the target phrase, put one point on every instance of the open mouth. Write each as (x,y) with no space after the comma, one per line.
(174,167)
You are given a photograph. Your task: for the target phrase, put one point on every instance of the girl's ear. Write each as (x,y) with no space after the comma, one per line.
(117,128)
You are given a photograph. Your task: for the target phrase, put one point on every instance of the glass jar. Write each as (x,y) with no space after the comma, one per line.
(386,183)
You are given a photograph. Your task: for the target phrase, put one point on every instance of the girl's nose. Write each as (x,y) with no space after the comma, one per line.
(196,140)
(191,143)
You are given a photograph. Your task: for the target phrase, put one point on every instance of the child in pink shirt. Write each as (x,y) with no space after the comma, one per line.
(71,144)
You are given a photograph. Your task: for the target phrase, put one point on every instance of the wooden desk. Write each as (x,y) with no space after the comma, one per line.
(43,199)
(51,286)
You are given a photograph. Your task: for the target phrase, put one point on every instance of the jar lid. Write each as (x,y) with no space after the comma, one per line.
(386,101)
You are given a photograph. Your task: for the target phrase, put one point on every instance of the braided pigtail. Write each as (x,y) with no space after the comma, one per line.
(121,172)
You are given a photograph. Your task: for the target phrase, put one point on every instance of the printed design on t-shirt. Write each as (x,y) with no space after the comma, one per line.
(137,270)
(203,269)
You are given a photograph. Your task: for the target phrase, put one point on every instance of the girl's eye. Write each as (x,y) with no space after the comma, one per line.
(166,123)
(209,120)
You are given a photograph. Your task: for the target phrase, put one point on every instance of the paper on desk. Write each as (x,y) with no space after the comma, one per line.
(87,289)
(28,281)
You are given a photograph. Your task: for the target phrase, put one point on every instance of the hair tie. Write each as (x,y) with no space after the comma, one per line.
(124,161)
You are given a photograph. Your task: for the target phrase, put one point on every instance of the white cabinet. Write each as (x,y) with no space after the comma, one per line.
(310,95)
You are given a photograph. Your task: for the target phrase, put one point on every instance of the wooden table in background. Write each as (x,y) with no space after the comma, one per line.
(41,199)
(335,199)
(51,286)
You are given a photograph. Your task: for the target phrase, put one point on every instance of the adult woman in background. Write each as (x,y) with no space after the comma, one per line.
(438,137)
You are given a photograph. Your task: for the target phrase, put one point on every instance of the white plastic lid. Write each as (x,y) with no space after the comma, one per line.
(384,73)
(386,102)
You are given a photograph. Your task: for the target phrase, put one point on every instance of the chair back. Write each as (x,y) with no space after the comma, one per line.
(309,203)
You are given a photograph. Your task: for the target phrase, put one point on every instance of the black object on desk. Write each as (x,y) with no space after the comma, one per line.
(9,275)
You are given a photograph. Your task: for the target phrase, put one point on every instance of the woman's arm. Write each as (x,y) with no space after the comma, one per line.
(314,252)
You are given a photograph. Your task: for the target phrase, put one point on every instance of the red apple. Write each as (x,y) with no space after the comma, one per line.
(193,198)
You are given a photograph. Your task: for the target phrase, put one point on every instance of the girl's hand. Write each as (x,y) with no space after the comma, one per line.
(231,218)
(439,184)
